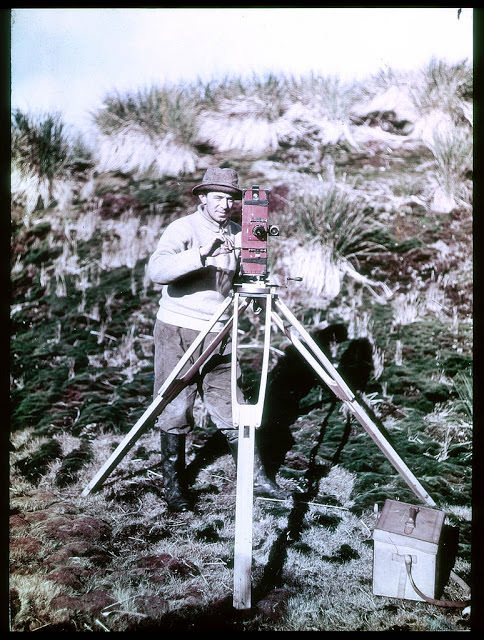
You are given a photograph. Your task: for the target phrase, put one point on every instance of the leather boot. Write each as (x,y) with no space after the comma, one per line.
(173,469)
(232,438)
(263,485)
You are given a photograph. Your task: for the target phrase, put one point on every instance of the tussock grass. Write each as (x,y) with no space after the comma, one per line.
(463,384)
(452,148)
(155,110)
(31,191)
(429,298)
(386,78)
(149,132)
(39,144)
(41,153)
(333,230)
(320,111)
(443,85)
(407,308)
(326,97)
(331,214)
(157,130)
(268,93)
(246,115)
(87,223)
(126,241)
(442,95)
(132,150)
(449,428)
(248,133)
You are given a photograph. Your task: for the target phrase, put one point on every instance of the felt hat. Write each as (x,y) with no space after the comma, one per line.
(216,179)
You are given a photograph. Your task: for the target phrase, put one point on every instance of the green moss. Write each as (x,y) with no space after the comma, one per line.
(43,253)
(33,467)
(29,409)
(157,192)
(327,521)
(73,463)
(407,245)
(303,548)
(456,362)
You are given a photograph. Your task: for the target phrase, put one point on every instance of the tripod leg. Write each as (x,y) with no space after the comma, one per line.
(247,417)
(169,390)
(243,518)
(258,407)
(322,365)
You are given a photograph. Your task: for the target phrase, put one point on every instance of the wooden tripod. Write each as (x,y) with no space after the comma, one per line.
(248,417)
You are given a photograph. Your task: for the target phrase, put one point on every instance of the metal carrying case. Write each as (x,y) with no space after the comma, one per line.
(408,547)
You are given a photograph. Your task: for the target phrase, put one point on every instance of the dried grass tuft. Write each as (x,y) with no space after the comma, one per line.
(132,150)
(247,133)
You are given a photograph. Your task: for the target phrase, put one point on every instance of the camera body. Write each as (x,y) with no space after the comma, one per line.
(255,232)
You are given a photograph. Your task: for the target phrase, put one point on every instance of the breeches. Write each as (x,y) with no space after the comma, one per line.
(212,382)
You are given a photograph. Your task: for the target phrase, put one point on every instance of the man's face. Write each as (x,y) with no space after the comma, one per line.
(218,205)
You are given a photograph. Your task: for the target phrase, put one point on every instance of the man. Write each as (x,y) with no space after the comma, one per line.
(196,261)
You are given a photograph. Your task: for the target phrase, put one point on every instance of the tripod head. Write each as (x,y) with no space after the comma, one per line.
(255,232)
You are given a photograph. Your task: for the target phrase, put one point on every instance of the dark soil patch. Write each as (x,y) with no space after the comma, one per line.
(73,549)
(176,566)
(18,522)
(274,605)
(64,529)
(93,602)
(151,606)
(68,576)
(218,616)
(26,545)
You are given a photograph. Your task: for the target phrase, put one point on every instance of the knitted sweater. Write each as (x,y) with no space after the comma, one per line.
(193,291)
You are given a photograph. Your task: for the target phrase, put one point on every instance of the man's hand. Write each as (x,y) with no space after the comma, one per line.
(219,245)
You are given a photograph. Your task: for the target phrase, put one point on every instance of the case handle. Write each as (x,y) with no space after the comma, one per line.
(411,520)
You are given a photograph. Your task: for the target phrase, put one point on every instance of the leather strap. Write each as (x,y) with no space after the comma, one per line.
(438,603)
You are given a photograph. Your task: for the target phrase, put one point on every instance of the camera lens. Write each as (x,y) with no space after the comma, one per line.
(259,231)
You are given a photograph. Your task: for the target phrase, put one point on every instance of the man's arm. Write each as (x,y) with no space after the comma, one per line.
(172,259)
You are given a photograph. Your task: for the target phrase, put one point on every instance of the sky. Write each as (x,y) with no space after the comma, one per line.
(67,60)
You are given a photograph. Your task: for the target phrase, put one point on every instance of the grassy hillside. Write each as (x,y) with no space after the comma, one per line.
(371,185)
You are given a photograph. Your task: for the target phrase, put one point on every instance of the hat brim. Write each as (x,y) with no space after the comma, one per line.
(204,187)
